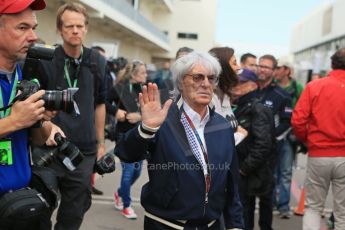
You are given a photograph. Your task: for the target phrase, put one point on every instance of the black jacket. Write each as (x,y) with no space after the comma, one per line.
(279,101)
(80,130)
(256,153)
(124,96)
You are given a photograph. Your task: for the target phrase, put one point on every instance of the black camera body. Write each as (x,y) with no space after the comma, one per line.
(66,152)
(36,53)
(117,64)
(54,99)
(106,164)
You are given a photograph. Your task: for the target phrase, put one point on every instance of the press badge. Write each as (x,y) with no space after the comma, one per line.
(6,152)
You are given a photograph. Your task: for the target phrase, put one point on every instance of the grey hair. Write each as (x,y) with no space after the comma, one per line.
(186,63)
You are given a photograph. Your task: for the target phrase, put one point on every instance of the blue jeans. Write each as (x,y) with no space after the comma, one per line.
(130,173)
(283,175)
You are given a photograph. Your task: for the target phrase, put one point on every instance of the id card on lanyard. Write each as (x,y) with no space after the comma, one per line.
(6,144)
(6,152)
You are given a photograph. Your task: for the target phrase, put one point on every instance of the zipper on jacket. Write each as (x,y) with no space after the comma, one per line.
(206,202)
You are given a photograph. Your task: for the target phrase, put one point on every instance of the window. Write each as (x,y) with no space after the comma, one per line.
(187,36)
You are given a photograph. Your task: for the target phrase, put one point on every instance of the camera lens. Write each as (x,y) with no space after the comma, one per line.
(53,100)
(60,100)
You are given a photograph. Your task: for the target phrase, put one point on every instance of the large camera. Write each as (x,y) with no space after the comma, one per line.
(117,64)
(66,152)
(36,53)
(53,99)
(106,164)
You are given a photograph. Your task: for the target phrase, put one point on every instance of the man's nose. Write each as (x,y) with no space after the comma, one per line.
(32,37)
(206,82)
(75,29)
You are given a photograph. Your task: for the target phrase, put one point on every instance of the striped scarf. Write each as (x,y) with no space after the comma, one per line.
(193,143)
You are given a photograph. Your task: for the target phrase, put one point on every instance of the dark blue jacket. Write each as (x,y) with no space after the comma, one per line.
(176,187)
(279,101)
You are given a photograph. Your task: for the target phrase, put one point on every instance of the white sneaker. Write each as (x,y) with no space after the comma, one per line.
(129,213)
(117,202)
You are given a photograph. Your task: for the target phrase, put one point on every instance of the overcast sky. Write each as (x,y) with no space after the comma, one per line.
(260,26)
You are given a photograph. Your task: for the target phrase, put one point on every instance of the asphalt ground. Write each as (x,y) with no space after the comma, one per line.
(103,216)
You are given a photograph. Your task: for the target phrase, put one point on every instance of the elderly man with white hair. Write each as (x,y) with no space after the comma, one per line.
(190,149)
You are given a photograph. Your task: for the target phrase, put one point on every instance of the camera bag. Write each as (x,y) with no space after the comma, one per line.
(25,203)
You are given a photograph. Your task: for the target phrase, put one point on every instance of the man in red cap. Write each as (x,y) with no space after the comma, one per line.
(17,24)
(17,6)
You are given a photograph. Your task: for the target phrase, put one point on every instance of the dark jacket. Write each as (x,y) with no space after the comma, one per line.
(125,96)
(279,101)
(165,85)
(80,129)
(175,191)
(256,153)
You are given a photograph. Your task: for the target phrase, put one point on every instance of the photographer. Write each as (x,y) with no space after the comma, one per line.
(17,24)
(74,65)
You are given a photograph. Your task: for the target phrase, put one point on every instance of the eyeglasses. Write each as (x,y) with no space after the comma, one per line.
(198,78)
(265,67)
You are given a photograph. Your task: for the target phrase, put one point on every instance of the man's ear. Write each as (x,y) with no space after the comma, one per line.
(179,87)
(58,31)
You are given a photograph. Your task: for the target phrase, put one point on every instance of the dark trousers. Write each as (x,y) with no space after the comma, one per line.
(248,202)
(75,190)
(150,224)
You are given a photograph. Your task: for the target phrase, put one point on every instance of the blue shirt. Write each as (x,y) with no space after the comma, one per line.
(18,174)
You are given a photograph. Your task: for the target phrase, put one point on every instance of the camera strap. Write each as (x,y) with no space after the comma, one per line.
(4,109)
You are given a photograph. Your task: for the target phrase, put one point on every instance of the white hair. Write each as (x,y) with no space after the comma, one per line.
(186,63)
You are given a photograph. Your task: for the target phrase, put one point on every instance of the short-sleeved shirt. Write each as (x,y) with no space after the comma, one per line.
(18,174)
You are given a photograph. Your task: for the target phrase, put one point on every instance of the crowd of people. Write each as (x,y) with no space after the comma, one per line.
(217,134)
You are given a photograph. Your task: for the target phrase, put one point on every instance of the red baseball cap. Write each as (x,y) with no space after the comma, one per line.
(16,6)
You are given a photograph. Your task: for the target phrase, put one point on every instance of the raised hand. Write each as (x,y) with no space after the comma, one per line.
(152,113)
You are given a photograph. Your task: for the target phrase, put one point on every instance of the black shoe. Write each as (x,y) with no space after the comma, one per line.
(95,191)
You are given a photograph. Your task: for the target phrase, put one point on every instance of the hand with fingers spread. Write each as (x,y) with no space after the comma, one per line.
(26,113)
(152,113)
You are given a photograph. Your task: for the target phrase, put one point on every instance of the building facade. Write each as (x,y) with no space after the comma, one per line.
(316,37)
(149,30)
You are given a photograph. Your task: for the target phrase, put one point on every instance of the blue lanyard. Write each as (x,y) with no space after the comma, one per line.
(13,93)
